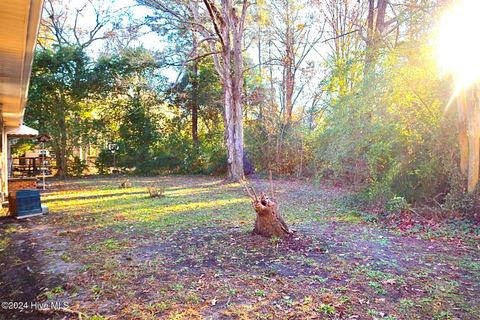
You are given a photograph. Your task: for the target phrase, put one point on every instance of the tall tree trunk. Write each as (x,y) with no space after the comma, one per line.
(473,131)
(259,45)
(289,85)
(375,32)
(62,154)
(195,123)
(230,27)
(462,133)
(233,118)
(233,89)
(369,52)
(194,103)
(289,80)
(473,161)
(468,104)
(288,65)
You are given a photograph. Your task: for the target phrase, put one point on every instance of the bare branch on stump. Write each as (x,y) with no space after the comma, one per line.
(250,191)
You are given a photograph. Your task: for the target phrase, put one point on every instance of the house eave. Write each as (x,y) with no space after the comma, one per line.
(19,24)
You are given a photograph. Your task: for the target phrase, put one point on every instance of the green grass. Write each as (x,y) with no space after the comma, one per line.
(260,293)
(326,309)
(4,242)
(470,265)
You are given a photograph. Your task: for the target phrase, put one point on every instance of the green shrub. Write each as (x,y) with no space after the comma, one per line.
(396,205)
(77,167)
(467,204)
(104,161)
(159,164)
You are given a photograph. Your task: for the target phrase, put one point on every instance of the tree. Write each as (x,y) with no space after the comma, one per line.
(469,134)
(342,20)
(130,85)
(59,87)
(285,81)
(382,28)
(221,26)
(197,93)
(229,27)
(294,33)
(62,82)
(72,24)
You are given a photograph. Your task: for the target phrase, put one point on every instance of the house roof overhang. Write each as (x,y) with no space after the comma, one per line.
(19,23)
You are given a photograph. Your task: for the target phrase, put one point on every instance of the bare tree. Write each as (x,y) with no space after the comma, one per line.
(220,25)
(295,31)
(383,23)
(83,23)
(342,20)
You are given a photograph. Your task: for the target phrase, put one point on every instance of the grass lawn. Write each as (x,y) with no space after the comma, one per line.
(116,253)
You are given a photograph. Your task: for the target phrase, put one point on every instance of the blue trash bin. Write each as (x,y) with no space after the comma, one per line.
(27,203)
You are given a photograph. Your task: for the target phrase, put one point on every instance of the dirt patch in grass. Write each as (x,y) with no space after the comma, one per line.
(24,276)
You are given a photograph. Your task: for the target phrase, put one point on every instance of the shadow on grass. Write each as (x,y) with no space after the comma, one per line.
(108,195)
(126,208)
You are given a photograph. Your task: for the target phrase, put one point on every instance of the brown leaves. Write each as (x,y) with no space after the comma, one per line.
(203,262)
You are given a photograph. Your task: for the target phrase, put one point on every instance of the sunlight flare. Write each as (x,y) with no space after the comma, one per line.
(457,44)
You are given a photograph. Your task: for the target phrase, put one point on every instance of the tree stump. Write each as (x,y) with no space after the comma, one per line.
(269,221)
(126,184)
